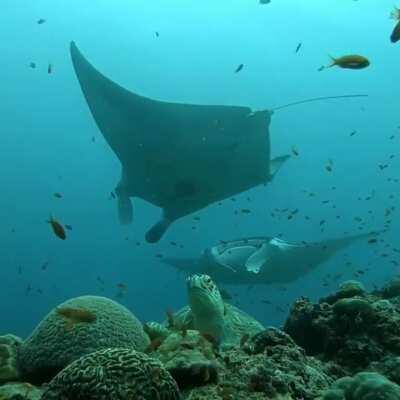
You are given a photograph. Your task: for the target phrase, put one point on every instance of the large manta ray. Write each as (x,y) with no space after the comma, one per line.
(180,157)
(262,260)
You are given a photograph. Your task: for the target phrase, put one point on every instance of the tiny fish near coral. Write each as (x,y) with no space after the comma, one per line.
(75,316)
(352,61)
(58,229)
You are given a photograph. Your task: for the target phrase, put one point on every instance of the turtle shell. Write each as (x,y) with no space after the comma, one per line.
(237,323)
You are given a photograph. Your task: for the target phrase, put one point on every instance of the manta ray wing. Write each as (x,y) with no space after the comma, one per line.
(293,261)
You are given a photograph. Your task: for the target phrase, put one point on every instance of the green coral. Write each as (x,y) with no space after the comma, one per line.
(53,345)
(8,358)
(116,374)
(391,289)
(189,357)
(351,288)
(20,391)
(363,386)
(352,306)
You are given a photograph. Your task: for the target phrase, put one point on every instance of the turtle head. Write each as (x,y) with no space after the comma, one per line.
(204,296)
(206,304)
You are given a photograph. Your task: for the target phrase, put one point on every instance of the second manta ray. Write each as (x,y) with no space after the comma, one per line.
(179,157)
(263,260)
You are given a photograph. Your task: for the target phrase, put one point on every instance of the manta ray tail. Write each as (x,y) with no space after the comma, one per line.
(346,241)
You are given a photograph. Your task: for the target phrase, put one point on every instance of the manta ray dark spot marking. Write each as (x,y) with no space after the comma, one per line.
(185,189)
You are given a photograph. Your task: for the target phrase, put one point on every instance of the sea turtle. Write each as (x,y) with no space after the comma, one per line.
(208,313)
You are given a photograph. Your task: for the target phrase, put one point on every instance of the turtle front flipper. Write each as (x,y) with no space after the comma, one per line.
(156,232)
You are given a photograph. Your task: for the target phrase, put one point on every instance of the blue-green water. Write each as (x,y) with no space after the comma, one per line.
(47,143)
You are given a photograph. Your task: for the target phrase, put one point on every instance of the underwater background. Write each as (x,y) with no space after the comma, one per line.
(50,144)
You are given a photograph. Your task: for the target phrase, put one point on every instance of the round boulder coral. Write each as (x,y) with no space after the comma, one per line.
(8,358)
(113,374)
(78,327)
(363,386)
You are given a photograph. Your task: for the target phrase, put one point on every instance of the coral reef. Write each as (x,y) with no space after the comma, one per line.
(345,347)
(357,331)
(268,365)
(189,357)
(363,386)
(116,374)
(20,391)
(391,289)
(9,345)
(55,342)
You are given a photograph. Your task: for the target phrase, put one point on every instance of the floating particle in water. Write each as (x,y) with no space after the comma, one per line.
(41,21)
(157,34)
(298,47)
(122,286)
(239,68)
(69,227)
(50,69)
(45,265)
(295,151)
(353,133)
(32,65)
(100,280)
(57,195)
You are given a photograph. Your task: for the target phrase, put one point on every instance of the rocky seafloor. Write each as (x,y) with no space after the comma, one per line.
(345,347)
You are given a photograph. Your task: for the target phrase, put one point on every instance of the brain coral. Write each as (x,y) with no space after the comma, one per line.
(113,374)
(53,344)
